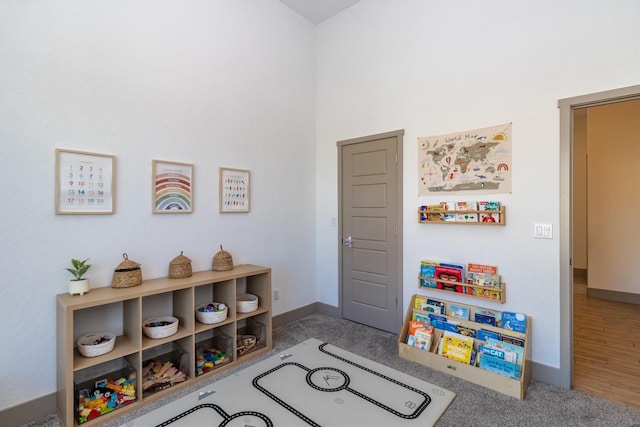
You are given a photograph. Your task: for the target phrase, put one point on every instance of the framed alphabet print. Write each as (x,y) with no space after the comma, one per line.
(172,187)
(84,182)
(234,190)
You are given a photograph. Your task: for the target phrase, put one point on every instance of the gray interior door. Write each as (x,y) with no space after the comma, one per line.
(371,230)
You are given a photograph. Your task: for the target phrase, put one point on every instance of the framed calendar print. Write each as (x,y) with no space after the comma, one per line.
(234,190)
(84,182)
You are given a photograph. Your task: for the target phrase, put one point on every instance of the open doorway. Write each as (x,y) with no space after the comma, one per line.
(572,110)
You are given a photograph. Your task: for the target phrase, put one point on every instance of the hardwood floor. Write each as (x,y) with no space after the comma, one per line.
(606,347)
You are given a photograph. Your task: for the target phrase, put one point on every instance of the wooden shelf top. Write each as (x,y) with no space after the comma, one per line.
(107,294)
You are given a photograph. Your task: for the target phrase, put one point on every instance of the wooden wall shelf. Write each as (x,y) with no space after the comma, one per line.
(481,292)
(423,217)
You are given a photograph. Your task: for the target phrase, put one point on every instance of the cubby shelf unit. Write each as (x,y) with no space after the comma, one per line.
(123,311)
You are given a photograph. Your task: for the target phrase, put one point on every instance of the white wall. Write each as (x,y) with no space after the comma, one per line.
(213,83)
(437,67)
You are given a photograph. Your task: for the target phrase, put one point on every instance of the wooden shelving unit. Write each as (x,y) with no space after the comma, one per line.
(483,292)
(123,312)
(423,217)
(500,383)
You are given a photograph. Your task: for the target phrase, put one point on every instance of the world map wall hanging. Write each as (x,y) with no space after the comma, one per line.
(474,161)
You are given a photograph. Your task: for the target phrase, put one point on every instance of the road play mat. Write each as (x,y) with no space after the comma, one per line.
(310,384)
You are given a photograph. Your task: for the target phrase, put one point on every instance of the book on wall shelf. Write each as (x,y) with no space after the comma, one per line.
(489,211)
(442,276)
(478,281)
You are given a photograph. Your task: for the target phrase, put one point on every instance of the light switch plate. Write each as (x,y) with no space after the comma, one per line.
(542,231)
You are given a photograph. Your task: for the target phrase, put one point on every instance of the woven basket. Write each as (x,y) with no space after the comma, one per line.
(222,261)
(127,274)
(180,267)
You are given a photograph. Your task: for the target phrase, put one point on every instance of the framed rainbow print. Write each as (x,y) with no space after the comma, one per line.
(234,190)
(172,186)
(84,182)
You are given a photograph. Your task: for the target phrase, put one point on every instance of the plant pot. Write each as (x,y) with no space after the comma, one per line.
(78,287)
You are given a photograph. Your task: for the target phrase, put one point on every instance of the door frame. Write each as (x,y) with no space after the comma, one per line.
(567,107)
(398,134)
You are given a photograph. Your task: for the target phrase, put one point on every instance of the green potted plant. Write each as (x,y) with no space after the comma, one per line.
(79,285)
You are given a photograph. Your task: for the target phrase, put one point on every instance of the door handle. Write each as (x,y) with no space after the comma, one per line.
(347,242)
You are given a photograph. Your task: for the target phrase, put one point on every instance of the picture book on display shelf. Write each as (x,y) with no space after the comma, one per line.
(442,276)
(485,346)
(478,280)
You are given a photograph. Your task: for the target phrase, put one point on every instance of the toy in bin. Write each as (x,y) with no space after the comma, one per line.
(104,397)
(211,313)
(209,359)
(96,344)
(160,327)
(159,375)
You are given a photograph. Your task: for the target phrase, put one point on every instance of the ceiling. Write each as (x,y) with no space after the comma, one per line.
(317,11)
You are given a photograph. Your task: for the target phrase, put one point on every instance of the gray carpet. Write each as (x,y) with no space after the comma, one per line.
(474,405)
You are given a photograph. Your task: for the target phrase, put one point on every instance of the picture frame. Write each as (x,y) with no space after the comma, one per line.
(234,190)
(172,187)
(84,183)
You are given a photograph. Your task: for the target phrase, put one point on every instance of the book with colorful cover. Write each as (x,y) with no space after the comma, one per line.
(514,321)
(421,316)
(414,325)
(486,293)
(483,275)
(448,216)
(518,352)
(428,271)
(466,331)
(419,302)
(420,335)
(485,334)
(511,339)
(435,213)
(484,279)
(444,325)
(459,311)
(436,318)
(490,209)
(457,347)
(482,268)
(450,273)
(467,216)
(424,338)
(489,317)
(498,353)
(499,366)
(438,306)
